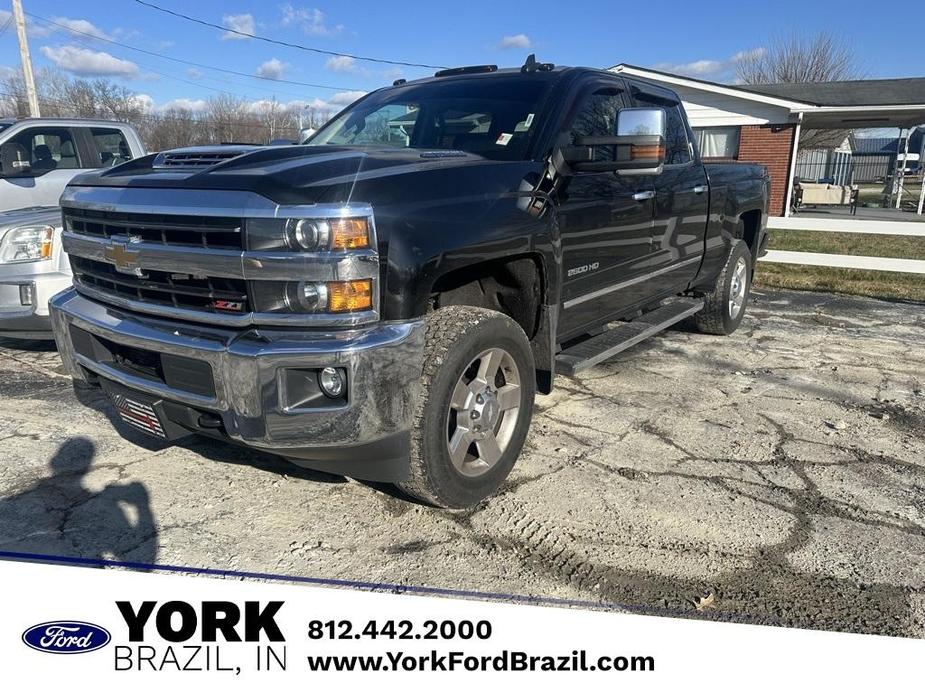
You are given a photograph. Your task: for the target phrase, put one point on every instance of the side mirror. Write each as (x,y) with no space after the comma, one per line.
(14,160)
(304,134)
(638,148)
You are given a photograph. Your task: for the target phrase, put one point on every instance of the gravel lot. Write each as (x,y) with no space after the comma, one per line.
(780,470)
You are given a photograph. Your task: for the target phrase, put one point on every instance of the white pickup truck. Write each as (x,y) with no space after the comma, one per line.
(38,157)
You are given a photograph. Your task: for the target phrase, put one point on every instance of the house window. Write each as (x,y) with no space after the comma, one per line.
(718,143)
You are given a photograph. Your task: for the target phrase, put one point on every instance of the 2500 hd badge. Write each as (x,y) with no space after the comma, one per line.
(385,301)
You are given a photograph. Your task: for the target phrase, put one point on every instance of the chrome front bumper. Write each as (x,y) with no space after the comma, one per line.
(368,437)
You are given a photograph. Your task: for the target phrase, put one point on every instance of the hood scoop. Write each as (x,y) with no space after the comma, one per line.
(197,157)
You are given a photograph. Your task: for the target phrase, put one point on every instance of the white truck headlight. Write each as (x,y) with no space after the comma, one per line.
(27,243)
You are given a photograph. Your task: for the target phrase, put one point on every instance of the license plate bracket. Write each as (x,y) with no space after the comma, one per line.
(143,412)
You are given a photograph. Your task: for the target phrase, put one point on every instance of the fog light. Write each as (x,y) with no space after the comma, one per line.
(26,295)
(332,382)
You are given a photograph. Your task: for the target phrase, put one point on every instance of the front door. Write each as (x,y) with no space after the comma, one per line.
(605,221)
(682,199)
(55,160)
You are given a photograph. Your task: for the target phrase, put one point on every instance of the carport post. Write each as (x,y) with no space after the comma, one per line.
(921,195)
(902,169)
(791,170)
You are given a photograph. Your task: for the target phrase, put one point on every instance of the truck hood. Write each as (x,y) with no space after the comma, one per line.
(29,215)
(304,174)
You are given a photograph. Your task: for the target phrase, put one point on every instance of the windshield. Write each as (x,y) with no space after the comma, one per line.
(493,118)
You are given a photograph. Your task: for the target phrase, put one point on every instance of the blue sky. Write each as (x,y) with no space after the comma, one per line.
(701,40)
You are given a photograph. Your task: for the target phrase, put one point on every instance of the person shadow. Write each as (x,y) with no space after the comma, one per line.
(60,516)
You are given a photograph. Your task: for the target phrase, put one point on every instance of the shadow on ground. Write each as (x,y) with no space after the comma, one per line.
(61,515)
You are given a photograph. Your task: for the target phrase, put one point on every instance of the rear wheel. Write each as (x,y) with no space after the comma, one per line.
(476,401)
(724,307)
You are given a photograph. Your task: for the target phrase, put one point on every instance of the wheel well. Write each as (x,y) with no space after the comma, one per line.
(513,286)
(751,223)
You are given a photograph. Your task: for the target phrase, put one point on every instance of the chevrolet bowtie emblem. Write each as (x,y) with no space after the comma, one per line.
(124,259)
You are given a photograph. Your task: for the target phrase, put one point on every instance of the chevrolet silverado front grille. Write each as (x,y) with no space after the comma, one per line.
(213,294)
(170,230)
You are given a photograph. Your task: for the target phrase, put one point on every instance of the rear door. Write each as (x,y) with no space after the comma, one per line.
(106,146)
(605,220)
(682,199)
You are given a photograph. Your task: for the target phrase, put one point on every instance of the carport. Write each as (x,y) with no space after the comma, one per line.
(850,105)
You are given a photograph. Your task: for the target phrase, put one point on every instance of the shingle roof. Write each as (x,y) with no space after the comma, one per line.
(892,92)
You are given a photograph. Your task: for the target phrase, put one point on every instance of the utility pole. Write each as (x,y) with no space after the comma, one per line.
(26,60)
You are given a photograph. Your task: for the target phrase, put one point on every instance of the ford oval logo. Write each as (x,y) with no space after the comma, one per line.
(66,637)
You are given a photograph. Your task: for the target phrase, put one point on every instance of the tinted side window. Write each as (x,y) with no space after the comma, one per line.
(48,148)
(679,151)
(597,116)
(111,145)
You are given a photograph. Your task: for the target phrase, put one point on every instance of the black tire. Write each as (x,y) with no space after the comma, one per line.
(716,317)
(455,337)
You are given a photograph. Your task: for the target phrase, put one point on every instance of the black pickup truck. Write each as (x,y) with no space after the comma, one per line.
(385,301)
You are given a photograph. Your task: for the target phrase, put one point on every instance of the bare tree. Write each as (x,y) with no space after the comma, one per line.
(226,118)
(822,57)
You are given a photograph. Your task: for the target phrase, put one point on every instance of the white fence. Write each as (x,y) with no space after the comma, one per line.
(847,226)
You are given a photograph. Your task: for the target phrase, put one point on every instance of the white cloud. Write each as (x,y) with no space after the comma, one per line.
(311,21)
(238,22)
(515,41)
(193,73)
(184,104)
(83,61)
(706,68)
(5,71)
(80,26)
(144,101)
(341,63)
(749,55)
(344,98)
(272,69)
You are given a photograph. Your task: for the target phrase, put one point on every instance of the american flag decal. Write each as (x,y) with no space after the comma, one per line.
(139,415)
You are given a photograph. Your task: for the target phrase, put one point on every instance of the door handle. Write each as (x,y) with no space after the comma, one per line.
(643,195)
(699,190)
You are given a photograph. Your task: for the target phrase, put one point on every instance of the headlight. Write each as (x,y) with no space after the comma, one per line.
(27,243)
(346,296)
(308,234)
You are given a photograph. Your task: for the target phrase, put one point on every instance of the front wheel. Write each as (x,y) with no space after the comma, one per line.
(724,307)
(476,401)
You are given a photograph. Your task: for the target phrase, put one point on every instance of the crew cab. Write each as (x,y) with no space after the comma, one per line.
(385,301)
(38,156)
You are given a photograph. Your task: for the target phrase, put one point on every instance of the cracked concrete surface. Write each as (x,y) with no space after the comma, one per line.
(781,469)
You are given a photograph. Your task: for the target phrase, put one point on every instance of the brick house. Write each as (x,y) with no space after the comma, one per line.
(762,123)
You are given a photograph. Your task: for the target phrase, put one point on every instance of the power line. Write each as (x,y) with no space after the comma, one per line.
(190,63)
(180,79)
(288,44)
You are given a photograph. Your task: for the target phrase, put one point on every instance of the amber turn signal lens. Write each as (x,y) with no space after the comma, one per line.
(647,152)
(349,233)
(355,295)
